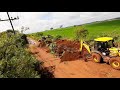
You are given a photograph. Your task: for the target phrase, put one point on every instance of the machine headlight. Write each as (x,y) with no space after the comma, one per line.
(119,51)
(104,53)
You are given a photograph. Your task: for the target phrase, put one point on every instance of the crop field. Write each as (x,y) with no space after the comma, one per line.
(96,29)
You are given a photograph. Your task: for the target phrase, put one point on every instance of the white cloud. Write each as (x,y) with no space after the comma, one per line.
(39,21)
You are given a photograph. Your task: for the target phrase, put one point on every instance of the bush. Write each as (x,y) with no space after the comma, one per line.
(39,34)
(21,65)
(51,28)
(15,62)
(81,33)
(58,37)
(50,36)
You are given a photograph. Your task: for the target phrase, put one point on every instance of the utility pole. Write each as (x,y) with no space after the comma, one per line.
(9,19)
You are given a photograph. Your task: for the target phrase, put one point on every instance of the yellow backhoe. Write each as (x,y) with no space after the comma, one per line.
(104,50)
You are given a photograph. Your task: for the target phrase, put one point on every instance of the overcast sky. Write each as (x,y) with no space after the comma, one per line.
(40,21)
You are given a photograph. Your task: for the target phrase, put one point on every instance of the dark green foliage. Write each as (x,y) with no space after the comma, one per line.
(15,61)
(75,25)
(21,40)
(51,28)
(40,34)
(50,36)
(58,37)
(81,33)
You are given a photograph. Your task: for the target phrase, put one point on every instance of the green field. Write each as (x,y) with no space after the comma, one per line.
(95,30)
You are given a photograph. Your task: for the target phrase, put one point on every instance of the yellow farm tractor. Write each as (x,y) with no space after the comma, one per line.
(104,50)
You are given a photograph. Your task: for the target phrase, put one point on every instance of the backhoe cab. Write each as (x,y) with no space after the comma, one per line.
(105,51)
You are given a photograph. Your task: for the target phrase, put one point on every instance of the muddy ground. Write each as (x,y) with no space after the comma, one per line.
(73,69)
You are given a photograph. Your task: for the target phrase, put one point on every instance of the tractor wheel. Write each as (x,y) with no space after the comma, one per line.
(96,58)
(115,63)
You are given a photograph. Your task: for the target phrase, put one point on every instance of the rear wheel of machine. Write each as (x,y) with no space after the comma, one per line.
(115,63)
(96,57)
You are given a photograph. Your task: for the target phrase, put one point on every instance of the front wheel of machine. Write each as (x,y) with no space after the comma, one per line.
(115,63)
(96,57)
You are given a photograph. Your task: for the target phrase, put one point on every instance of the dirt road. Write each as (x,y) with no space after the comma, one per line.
(76,68)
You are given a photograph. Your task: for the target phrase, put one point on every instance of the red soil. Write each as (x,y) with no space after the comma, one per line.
(74,69)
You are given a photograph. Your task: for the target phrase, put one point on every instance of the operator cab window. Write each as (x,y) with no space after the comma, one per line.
(110,43)
(97,45)
(101,46)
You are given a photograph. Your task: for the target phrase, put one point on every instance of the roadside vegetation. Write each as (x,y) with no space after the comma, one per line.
(15,60)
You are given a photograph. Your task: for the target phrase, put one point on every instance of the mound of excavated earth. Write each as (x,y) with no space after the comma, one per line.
(75,68)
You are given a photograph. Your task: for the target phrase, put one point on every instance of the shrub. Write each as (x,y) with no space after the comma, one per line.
(58,37)
(81,33)
(51,28)
(15,62)
(39,34)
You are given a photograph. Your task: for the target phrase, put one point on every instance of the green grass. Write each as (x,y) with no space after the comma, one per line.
(95,30)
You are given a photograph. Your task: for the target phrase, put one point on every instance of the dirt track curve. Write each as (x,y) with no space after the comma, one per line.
(76,68)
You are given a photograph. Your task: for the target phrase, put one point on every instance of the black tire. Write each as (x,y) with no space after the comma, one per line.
(115,63)
(96,57)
